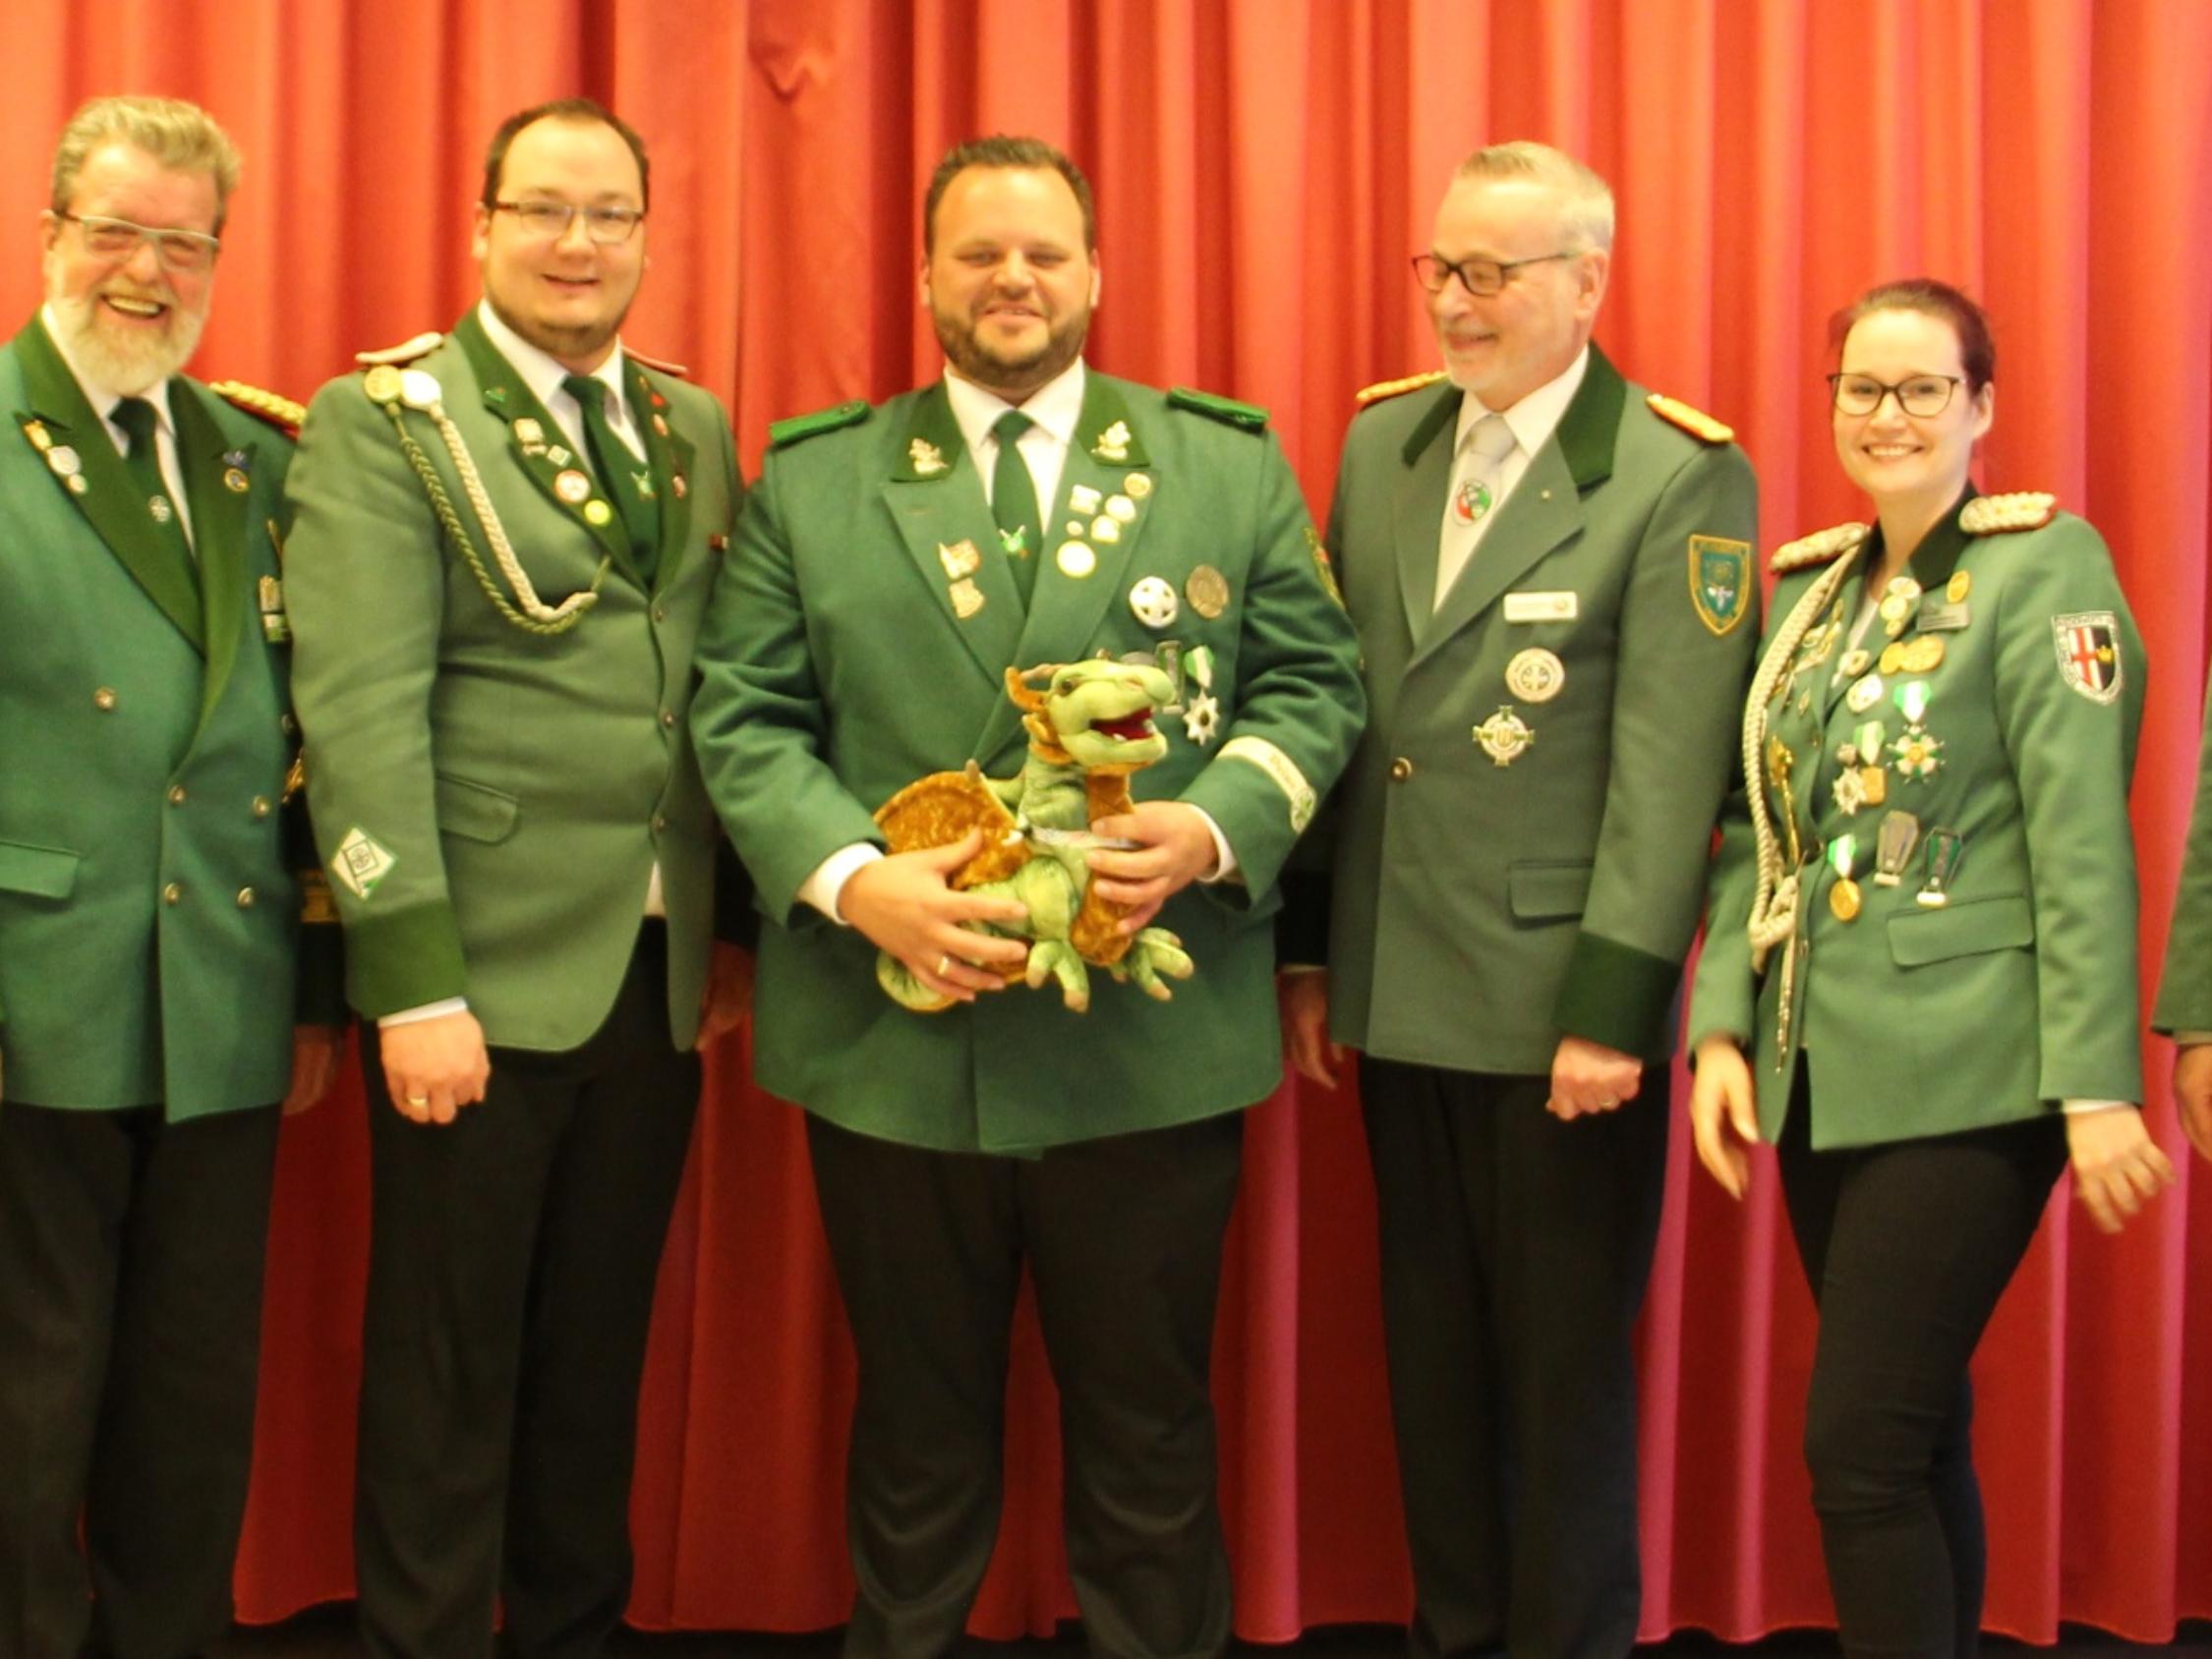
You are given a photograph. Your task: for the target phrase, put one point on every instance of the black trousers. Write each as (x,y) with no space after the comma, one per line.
(1124,1239)
(511,1265)
(1515,1250)
(131,1254)
(1907,1247)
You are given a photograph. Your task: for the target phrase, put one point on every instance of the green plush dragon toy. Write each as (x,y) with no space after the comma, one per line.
(1089,726)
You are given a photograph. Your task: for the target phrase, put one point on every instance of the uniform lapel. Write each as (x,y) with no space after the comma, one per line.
(508,399)
(1546,506)
(936,499)
(61,414)
(1064,609)
(669,455)
(219,529)
(1417,511)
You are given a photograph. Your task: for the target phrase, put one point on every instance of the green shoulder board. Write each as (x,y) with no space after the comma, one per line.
(1248,416)
(782,433)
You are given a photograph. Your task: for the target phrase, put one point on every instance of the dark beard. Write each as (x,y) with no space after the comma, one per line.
(1015,379)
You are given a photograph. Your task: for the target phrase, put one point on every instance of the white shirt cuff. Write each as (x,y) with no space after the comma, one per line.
(429,1010)
(826,887)
(1224,856)
(2083,1107)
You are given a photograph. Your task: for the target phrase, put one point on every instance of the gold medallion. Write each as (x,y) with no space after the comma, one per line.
(1892,657)
(235,481)
(1207,589)
(1924,654)
(596,512)
(573,487)
(1844,900)
(1875,781)
(1075,559)
(1961,584)
(1136,484)
(1535,675)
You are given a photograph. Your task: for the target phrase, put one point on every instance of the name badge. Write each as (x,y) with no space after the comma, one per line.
(1540,607)
(1941,616)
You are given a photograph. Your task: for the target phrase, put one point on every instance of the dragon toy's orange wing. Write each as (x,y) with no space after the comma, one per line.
(940,809)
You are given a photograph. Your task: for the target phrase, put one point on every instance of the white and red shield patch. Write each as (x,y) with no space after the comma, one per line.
(2088,647)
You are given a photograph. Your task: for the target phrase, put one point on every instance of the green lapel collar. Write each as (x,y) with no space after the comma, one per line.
(936,499)
(1417,508)
(670,454)
(1936,558)
(1107,479)
(218,482)
(534,437)
(1546,506)
(60,411)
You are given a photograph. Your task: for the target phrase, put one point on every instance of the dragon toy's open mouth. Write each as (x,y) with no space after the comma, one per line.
(1130,728)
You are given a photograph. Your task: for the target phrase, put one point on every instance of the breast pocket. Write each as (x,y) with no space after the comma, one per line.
(37,872)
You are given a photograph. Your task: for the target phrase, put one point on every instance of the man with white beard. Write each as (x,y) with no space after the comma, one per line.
(151,959)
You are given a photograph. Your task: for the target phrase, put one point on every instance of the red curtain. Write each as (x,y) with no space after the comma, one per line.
(1264,168)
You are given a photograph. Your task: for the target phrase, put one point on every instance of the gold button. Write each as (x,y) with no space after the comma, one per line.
(104,699)
(659,613)
(668,717)
(660,824)
(244,898)
(260,806)
(173,893)
(290,725)
(176,794)
(1401,769)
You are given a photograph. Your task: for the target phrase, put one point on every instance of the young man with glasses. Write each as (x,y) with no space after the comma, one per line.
(150,969)
(504,540)
(1551,576)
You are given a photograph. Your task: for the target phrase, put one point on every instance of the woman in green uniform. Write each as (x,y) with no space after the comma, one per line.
(1919,976)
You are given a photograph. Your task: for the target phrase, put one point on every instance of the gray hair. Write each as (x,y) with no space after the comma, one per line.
(182,136)
(1586,200)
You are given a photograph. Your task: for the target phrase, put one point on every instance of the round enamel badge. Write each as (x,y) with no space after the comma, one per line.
(1535,675)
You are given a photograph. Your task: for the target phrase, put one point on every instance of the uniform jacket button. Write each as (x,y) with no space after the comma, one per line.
(244,898)
(173,893)
(1401,769)
(104,699)
(176,794)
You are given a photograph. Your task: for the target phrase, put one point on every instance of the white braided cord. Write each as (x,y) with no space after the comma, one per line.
(1773,902)
(502,551)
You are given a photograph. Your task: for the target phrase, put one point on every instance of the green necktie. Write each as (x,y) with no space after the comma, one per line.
(1014,502)
(144,463)
(626,481)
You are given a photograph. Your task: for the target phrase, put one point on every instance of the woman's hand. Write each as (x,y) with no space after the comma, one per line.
(2117,1167)
(1723,1113)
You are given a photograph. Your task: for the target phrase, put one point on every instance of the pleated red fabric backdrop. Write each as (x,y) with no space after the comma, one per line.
(1264,168)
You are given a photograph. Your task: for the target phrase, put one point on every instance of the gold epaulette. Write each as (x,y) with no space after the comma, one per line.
(1819,547)
(278,410)
(1696,421)
(1393,388)
(681,371)
(1994,515)
(407,351)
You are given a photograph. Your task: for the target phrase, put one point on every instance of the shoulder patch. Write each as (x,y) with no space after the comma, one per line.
(407,351)
(1384,389)
(1995,515)
(1823,547)
(1248,417)
(782,433)
(278,410)
(1696,421)
(681,371)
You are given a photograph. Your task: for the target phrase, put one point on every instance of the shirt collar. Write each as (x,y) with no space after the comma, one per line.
(542,372)
(103,399)
(1055,406)
(1536,417)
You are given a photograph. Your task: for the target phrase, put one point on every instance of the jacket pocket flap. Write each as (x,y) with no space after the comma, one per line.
(1538,890)
(41,872)
(475,811)
(1961,930)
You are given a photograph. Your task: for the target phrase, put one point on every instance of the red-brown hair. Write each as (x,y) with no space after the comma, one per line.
(1978,351)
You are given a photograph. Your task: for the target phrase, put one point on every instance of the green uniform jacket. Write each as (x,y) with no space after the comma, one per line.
(1481,910)
(2020,990)
(2184,986)
(836,669)
(498,795)
(149,916)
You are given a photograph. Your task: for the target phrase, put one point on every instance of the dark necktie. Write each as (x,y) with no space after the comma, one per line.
(143,464)
(626,481)
(1014,502)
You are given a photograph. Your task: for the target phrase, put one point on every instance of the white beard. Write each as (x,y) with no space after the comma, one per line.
(127,366)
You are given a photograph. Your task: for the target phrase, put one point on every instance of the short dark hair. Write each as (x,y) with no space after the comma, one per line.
(1978,351)
(1002,149)
(562,109)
